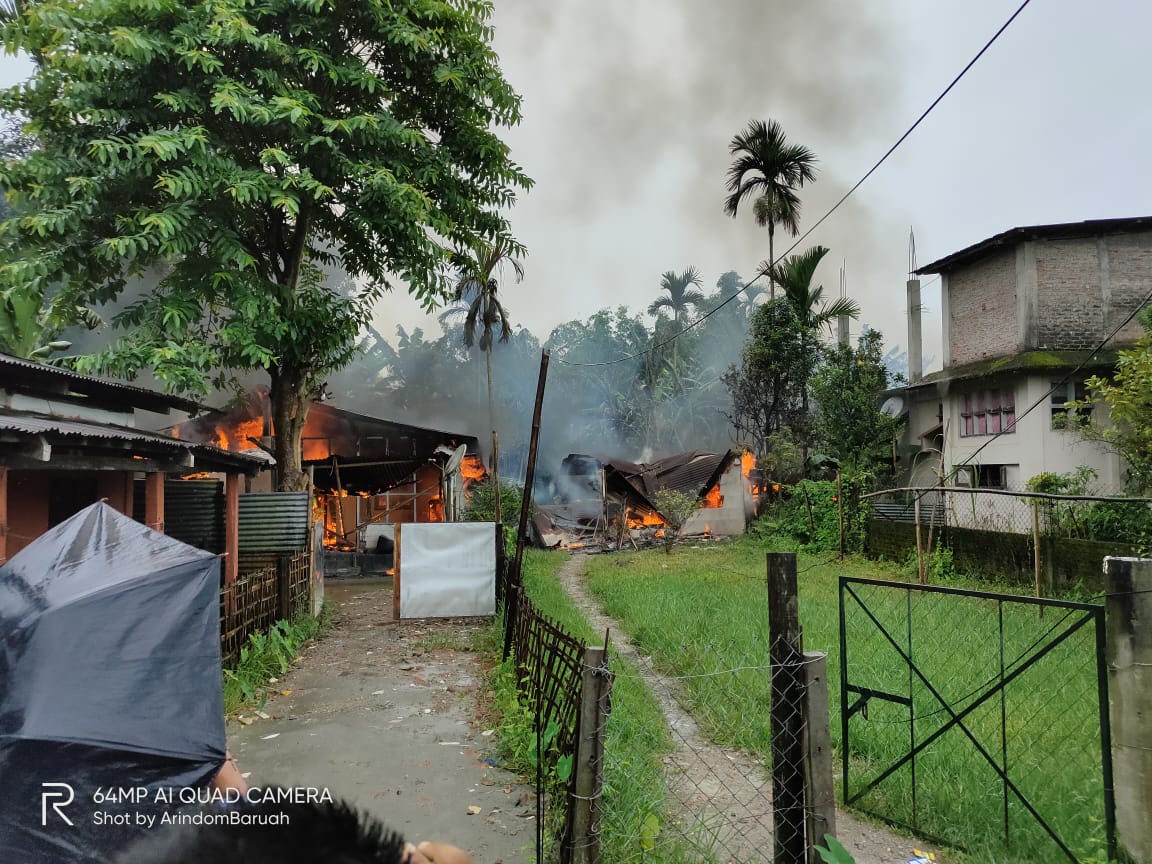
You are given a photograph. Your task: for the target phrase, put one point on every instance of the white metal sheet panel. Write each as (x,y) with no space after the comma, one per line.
(447,569)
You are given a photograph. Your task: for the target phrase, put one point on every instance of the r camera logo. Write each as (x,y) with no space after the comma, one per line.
(60,795)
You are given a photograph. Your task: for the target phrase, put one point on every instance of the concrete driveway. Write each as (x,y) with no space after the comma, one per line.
(383,715)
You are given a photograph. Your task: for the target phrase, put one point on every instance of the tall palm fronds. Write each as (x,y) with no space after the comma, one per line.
(766,166)
(794,276)
(681,296)
(476,289)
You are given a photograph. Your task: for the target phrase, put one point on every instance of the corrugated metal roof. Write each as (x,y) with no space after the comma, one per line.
(692,473)
(93,385)
(27,423)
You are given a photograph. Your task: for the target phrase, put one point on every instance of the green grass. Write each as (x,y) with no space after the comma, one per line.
(267,656)
(636,738)
(702,611)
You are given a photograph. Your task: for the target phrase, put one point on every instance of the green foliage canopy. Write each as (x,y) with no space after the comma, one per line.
(847,388)
(238,146)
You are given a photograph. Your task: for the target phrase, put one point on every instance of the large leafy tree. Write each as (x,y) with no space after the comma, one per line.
(770,169)
(683,294)
(238,148)
(848,389)
(766,385)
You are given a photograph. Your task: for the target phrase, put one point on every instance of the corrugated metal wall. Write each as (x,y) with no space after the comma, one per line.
(274,521)
(194,514)
(193,511)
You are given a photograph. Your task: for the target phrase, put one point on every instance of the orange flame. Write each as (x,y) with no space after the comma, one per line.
(747,463)
(473,470)
(644,519)
(436,510)
(713,500)
(315,448)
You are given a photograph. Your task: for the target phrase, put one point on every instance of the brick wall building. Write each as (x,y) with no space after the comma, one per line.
(1023,312)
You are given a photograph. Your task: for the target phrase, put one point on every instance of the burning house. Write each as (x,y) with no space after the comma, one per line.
(367,473)
(609,500)
(68,440)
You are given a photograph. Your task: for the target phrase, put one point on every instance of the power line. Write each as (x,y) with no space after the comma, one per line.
(831,210)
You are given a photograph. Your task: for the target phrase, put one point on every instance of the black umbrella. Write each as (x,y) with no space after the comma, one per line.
(111,706)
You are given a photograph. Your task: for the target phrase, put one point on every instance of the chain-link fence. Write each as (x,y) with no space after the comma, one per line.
(743,745)
(1008,748)
(1056,541)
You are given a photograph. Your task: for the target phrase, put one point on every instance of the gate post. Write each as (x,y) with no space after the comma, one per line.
(819,791)
(1128,608)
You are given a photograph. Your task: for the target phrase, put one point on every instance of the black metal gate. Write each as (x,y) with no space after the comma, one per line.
(977,719)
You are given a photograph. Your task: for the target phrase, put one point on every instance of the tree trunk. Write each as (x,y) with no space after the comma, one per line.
(771,263)
(290,404)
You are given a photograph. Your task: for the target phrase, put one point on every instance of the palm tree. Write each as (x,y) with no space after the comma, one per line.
(794,275)
(767,166)
(681,295)
(476,290)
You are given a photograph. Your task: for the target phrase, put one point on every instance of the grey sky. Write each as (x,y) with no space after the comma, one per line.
(629,108)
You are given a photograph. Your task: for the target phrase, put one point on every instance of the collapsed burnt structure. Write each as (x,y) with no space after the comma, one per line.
(368,473)
(612,502)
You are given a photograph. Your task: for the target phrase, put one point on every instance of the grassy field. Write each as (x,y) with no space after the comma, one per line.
(637,741)
(703,611)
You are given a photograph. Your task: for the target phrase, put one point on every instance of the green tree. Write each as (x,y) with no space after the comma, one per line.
(766,385)
(765,165)
(794,276)
(683,294)
(237,147)
(848,389)
(1128,396)
(676,507)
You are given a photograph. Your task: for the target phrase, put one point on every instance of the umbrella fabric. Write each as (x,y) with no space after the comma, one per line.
(109,680)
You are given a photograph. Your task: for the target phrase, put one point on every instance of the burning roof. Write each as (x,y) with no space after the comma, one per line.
(692,473)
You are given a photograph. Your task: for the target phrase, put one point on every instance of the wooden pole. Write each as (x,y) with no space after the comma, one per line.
(231,528)
(154,501)
(496,473)
(820,793)
(1037,562)
(3,513)
(808,504)
(588,770)
(526,503)
(840,507)
(920,575)
(396,536)
(787,711)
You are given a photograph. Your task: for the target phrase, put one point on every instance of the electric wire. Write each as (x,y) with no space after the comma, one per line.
(764,271)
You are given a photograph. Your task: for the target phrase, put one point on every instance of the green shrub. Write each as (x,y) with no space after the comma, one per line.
(811,514)
(267,656)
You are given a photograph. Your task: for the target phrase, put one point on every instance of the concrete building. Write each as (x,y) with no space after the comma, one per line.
(1023,313)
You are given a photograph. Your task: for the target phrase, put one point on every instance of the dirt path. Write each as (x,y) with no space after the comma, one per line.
(381,714)
(725,791)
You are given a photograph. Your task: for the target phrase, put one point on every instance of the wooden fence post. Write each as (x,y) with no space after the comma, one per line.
(820,794)
(1128,608)
(787,717)
(920,571)
(588,769)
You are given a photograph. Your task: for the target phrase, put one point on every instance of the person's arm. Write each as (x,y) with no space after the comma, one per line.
(228,777)
(435,853)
